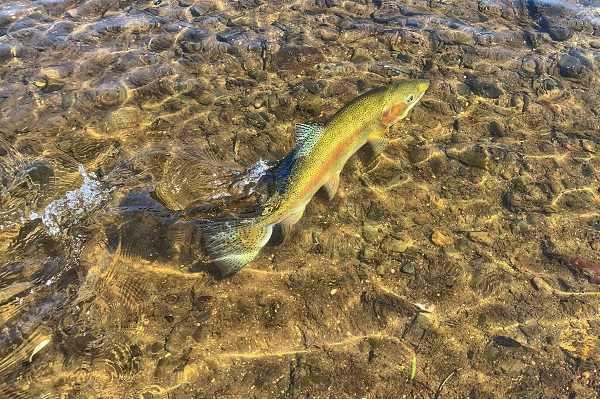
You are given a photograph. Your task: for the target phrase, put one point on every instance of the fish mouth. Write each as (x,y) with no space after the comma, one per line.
(422,86)
(421,94)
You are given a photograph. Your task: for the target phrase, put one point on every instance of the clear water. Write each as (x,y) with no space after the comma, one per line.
(462,262)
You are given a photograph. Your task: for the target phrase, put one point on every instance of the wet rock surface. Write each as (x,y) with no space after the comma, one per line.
(462,262)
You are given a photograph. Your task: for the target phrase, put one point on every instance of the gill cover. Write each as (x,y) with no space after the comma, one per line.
(400,99)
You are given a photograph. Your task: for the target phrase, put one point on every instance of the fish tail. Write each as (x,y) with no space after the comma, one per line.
(232,243)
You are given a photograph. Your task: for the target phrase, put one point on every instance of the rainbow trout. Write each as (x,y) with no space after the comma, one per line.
(319,154)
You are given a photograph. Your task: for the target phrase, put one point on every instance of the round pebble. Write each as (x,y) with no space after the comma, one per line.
(408,268)
(528,65)
(569,66)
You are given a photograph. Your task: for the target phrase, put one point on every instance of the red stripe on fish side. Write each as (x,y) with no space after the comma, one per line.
(326,166)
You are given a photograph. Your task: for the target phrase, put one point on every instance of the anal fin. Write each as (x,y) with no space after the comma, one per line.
(287,223)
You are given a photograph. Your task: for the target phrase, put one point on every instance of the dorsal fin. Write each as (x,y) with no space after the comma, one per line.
(304,130)
(306,136)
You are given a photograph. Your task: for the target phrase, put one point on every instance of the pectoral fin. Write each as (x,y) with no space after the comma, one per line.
(378,143)
(332,185)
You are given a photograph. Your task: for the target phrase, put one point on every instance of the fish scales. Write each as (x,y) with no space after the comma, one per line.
(316,160)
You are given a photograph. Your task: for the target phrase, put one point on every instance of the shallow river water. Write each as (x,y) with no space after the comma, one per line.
(462,262)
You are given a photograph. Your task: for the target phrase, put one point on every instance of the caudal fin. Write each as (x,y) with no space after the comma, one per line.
(232,243)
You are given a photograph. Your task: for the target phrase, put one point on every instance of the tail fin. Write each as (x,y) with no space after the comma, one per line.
(232,243)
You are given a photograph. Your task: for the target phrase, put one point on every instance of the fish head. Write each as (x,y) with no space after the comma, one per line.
(399,99)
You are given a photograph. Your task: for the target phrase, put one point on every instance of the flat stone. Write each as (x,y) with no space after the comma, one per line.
(313,87)
(559,33)
(451,252)
(296,58)
(419,154)
(375,212)
(484,89)
(463,245)
(368,254)
(512,367)
(508,342)
(258,74)
(231,34)
(477,156)
(519,226)
(517,100)
(420,220)
(418,326)
(496,129)
(441,239)
(272,102)
(360,55)
(370,233)
(540,285)
(481,237)
(5,52)
(588,145)
(528,65)
(391,244)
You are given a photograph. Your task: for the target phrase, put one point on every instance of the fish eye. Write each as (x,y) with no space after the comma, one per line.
(409,98)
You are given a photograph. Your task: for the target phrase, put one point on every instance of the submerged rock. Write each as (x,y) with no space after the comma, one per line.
(439,238)
(529,65)
(392,244)
(296,58)
(481,237)
(558,33)
(470,156)
(569,66)
(483,88)
(496,129)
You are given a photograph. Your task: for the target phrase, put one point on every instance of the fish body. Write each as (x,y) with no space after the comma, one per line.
(316,161)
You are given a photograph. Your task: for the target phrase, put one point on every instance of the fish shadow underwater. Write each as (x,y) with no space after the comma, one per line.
(146,228)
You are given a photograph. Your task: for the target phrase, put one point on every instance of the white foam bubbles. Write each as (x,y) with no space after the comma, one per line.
(63,213)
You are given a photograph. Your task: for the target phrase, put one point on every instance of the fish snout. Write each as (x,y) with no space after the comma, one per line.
(422,85)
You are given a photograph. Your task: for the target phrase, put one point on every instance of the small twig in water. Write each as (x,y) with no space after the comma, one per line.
(439,390)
